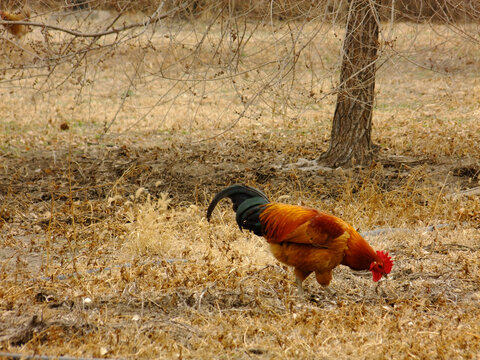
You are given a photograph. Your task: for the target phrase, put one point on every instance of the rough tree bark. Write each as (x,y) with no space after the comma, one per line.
(350,142)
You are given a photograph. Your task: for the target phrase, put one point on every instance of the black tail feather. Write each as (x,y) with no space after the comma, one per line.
(248,214)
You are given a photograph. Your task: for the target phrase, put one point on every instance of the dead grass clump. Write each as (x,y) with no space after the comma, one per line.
(151,223)
(159,231)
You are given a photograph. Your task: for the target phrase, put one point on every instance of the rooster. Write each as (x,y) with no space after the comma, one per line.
(302,237)
(15,29)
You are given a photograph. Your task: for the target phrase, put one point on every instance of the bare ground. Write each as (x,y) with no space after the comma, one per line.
(56,254)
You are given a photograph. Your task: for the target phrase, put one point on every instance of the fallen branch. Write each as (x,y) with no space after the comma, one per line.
(392,230)
(468,192)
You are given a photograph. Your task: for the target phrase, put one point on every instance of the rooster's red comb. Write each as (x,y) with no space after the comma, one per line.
(387,261)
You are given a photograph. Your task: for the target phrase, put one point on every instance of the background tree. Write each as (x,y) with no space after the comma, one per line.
(352,121)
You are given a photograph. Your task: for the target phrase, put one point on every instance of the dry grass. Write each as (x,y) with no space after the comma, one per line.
(120,220)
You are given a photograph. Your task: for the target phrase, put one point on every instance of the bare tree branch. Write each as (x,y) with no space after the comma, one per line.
(97,34)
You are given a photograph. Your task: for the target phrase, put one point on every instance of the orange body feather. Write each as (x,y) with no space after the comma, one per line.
(279,220)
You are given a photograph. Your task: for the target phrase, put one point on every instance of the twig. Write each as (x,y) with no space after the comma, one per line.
(468,192)
(97,34)
(199,302)
(392,230)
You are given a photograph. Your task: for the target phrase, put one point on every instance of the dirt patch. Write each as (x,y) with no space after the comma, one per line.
(182,168)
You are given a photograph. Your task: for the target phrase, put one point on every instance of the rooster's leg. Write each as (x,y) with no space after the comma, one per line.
(299,277)
(301,292)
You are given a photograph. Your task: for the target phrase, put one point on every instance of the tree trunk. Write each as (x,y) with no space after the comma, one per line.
(350,142)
